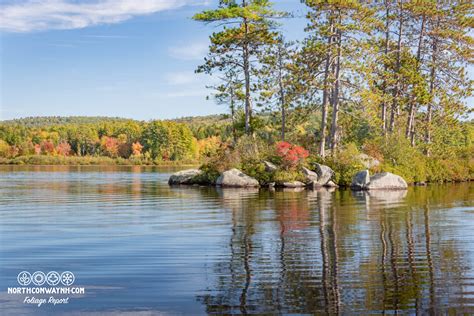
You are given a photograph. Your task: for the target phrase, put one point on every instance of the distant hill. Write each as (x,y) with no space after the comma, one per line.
(44,121)
(207,119)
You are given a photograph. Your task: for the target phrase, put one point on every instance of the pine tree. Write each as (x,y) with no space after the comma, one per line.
(248,26)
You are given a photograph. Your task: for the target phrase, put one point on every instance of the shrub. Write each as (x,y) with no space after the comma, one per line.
(291,155)
(209,174)
(256,169)
(281,176)
(402,159)
(343,163)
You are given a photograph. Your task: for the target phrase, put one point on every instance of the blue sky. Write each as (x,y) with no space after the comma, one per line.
(124,58)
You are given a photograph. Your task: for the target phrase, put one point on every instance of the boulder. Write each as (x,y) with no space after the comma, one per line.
(386,180)
(293,184)
(310,176)
(235,178)
(360,180)
(184,176)
(324,175)
(367,161)
(269,167)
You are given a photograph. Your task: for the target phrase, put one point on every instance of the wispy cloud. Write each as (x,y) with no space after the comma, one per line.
(107,36)
(189,51)
(37,15)
(187,93)
(181,78)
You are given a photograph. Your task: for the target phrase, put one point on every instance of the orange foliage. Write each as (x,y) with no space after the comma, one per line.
(137,149)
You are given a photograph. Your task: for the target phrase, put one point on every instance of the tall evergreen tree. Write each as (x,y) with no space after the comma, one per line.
(248,26)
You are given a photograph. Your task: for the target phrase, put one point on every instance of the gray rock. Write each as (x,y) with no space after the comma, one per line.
(235,178)
(324,175)
(269,167)
(386,180)
(367,161)
(293,184)
(184,176)
(360,180)
(310,176)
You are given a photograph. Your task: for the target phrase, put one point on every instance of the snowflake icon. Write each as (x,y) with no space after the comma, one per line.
(67,278)
(24,278)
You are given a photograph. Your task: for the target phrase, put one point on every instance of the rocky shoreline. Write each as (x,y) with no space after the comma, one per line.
(321,176)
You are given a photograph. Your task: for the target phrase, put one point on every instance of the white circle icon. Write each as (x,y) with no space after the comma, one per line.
(38,278)
(24,278)
(53,278)
(67,278)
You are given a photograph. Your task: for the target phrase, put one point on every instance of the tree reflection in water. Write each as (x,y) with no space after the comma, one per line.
(336,252)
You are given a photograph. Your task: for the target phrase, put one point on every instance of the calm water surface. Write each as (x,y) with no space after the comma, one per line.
(140,247)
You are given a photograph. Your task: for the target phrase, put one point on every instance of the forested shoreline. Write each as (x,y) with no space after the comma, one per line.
(387,80)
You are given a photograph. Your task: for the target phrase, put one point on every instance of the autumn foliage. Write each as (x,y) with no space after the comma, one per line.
(63,149)
(291,155)
(137,149)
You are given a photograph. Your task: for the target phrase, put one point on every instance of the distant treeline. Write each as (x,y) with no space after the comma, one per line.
(145,142)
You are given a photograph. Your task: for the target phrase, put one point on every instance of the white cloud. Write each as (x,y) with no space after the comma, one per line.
(37,15)
(189,51)
(188,93)
(181,78)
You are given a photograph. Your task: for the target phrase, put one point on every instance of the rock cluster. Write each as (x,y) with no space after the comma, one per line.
(320,177)
(235,178)
(385,180)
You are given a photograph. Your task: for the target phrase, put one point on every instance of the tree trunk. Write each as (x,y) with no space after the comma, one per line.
(429,111)
(410,131)
(283,117)
(335,96)
(282,95)
(396,91)
(326,89)
(246,62)
(384,87)
(232,113)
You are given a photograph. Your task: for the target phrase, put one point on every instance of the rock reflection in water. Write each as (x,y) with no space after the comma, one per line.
(331,255)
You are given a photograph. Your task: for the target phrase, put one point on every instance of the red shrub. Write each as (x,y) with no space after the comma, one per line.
(291,155)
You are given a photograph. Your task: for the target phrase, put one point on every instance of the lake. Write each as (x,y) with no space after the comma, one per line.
(140,247)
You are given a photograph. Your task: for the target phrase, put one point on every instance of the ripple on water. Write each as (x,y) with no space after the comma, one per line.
(140,246)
